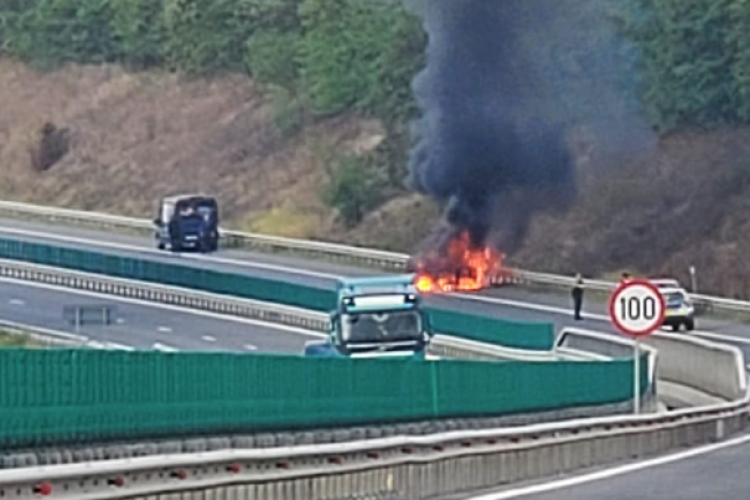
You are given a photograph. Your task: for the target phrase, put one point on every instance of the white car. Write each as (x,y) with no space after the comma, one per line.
(666,283)
(680,309)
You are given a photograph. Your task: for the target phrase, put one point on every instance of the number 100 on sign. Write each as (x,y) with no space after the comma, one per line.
(637,308)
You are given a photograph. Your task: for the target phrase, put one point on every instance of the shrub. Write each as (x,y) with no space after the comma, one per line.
(139,28)
(272,57)
(205,36)
(53,145)
(354,189)
(288,112)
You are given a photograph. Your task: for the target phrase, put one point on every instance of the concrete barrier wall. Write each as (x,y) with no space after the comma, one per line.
(392,469)
(715,369)
(688,371)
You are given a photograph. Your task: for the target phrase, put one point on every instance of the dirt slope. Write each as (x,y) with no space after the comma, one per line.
(137,137)
(687,203)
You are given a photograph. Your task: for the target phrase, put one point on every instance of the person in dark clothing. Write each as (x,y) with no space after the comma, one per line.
(577,294)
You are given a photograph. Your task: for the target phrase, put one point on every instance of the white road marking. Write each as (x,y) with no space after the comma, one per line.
(120,321)
(96,344)
(251,347)
(613,472)
(209,338)
(120,347)
(168,307)
(164,348)
(16,302)
(153,251)
(164,329)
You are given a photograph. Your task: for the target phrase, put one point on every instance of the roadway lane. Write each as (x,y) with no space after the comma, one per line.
(144,326)
(512,303)
(715,472)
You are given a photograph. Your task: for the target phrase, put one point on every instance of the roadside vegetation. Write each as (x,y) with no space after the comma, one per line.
(314,59)
(11,340)
(332,68)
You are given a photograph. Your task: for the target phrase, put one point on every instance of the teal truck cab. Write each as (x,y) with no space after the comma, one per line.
(376,317)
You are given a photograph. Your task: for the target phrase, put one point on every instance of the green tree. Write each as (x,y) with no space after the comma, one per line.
(738,40)
(686,60)
(272,57)
(60,31)
(206,36)
(346,51)
(354,189)
(139,28)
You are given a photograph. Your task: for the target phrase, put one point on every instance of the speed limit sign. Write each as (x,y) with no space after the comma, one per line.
(637,308)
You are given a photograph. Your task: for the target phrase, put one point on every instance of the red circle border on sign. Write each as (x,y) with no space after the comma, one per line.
(622,287)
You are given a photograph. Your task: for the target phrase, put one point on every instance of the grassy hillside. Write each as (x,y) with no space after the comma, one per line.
(296,114)
(134,137)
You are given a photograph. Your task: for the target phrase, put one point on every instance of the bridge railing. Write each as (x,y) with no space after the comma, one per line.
(398,468)
(395,468)
(357,255)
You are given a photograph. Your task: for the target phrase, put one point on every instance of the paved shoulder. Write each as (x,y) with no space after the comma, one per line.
(714,472)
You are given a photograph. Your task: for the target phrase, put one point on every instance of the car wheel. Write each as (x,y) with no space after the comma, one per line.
(676,327)
(690,325)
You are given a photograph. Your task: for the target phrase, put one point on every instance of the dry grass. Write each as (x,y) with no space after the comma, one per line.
(137,137)
(686,204)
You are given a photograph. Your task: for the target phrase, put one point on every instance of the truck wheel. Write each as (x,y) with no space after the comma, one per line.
(690,325)
(676,327)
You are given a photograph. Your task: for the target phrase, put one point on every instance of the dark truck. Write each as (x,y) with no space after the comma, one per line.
(188,222)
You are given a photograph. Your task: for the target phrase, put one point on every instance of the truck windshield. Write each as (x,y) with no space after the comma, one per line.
(393,326)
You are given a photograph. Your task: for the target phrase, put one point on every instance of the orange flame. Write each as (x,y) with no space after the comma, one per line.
(463,268)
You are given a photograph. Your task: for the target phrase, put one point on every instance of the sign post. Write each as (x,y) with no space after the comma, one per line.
(637,309)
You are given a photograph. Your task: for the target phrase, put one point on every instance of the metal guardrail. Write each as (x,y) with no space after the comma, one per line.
(397,468)
(312,321)
(362,256)
(50,338)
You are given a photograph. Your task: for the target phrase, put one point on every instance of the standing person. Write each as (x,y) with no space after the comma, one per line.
(577,294)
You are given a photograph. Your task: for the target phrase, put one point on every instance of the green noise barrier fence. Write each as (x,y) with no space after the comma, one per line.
(77,396)
(538,336)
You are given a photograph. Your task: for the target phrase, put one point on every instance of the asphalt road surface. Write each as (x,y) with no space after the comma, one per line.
(143,326)
(511,303)
(714,472)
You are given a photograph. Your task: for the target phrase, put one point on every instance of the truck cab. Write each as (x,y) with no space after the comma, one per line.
(188,222)
(376,317)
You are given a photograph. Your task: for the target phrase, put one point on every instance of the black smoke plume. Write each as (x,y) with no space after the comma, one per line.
(506,84)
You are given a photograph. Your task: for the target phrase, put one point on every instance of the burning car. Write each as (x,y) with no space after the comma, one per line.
(458,267)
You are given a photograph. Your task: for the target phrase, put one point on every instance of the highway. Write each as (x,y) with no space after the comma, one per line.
(713,472)
(716,472)
(146,326)
(512,303)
